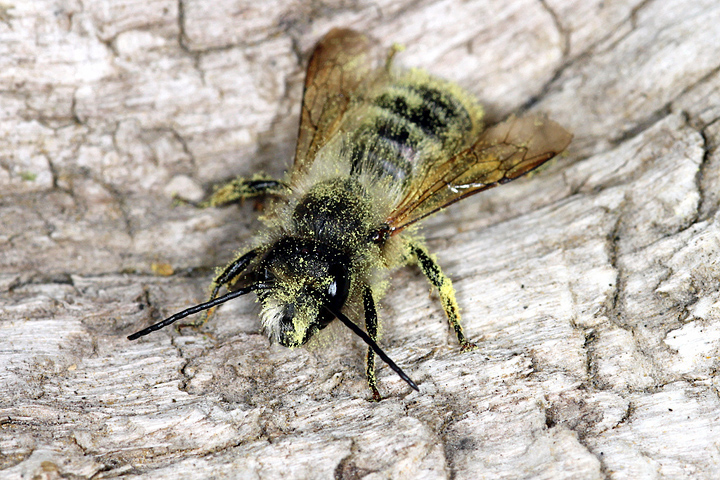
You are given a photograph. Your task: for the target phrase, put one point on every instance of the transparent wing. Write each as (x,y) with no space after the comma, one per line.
(502,153)
(342,61)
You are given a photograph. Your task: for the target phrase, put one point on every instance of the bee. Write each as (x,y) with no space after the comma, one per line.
(378,150)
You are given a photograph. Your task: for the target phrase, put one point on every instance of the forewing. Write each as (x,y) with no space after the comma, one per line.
(501,154)
(342,61)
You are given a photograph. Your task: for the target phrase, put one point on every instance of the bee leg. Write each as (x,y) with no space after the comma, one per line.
(371,324)
(432,271)
(241,188)
(235,268)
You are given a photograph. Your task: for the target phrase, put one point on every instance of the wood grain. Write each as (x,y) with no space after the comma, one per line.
(591,287)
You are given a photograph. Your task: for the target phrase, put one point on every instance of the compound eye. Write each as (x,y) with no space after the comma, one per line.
(337,290)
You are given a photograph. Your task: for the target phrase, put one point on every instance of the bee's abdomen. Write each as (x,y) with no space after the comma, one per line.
(408,122)
(433,111)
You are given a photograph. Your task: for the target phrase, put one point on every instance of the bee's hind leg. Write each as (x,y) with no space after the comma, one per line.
(435,275)
(241,188)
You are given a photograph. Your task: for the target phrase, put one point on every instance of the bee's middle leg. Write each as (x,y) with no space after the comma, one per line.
(241,188)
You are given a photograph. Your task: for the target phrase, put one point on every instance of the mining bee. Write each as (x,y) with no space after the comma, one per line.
(378,150)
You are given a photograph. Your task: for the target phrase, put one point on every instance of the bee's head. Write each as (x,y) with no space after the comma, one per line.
(302,281)
(303,285)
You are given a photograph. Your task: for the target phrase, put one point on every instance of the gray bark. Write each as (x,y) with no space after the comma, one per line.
(591,288)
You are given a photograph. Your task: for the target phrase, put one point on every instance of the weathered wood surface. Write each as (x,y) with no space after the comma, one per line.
(592,287)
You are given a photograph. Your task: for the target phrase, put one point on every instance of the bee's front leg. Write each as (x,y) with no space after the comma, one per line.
(226,278)
(371,325)
(435,275)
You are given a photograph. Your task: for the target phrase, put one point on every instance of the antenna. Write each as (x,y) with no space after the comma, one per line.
(197,308)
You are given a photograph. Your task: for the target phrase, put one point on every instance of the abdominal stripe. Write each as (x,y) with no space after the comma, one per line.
(408,120)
